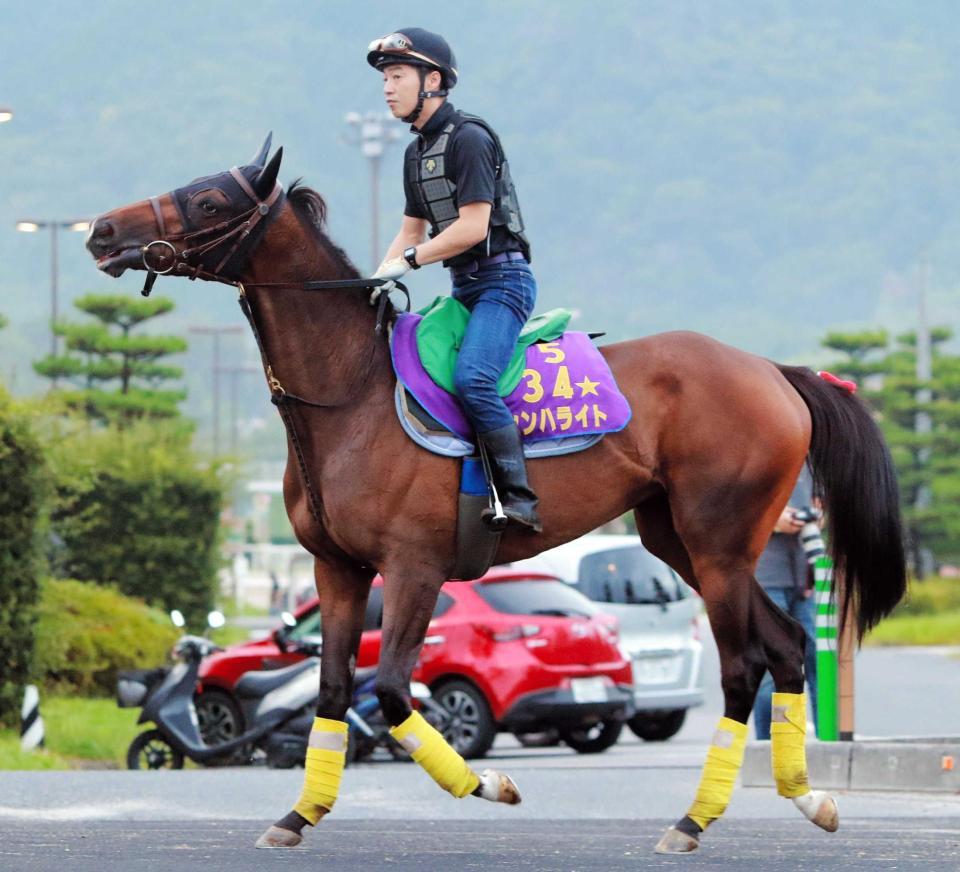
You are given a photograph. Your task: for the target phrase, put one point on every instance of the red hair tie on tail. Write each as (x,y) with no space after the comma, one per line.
(849,386)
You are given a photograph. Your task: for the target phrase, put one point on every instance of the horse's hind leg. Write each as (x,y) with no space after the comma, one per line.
(343,589)
(784,642)
(409,598)
(726,589)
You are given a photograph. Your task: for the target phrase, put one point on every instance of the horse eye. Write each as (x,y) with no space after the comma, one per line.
(209,207)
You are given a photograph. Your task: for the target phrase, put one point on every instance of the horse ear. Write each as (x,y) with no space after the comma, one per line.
(268,175)
(260,158)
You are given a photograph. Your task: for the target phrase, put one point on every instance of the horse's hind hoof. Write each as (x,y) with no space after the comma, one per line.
(277,837)
(498,787)
(673,841)
(820,808)
(828,815)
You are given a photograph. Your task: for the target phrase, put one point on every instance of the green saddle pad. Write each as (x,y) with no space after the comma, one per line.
(440,334)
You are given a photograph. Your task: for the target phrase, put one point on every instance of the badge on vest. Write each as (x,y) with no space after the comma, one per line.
(430,165)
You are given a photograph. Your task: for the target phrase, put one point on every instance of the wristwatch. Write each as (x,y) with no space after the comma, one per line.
(410,256)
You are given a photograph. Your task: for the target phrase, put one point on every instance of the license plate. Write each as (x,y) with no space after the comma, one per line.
(589,689)
(657,670)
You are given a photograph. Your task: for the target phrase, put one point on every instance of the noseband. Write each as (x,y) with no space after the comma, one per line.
(161,256)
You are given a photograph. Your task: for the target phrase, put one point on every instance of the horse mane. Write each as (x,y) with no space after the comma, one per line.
(312,209)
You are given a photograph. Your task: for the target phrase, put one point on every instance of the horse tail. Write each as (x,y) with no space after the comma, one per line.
(854,473)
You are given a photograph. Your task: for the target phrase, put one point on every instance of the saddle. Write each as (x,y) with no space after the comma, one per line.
(558,386)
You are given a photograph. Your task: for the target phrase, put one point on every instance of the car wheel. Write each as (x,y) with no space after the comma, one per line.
(469,727)
(150,750)
(657,726)
(220,721)
(593,739)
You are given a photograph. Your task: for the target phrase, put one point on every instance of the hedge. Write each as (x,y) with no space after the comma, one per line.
(87,632)
(136,508)
(22,485)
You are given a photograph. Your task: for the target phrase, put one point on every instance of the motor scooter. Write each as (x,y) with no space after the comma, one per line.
(278,708)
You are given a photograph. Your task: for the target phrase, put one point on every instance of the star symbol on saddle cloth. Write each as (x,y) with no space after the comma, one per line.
(587,387)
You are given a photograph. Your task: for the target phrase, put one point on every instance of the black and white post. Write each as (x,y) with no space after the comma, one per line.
(31,724)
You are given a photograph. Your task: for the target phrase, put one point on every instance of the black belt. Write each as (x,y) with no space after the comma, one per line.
(481,262)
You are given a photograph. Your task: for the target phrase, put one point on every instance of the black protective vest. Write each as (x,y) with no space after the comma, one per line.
(435,191)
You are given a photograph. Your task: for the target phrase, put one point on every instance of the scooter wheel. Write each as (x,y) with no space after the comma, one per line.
(150,750)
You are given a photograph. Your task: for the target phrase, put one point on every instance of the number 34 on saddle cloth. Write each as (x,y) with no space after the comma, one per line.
(565,389)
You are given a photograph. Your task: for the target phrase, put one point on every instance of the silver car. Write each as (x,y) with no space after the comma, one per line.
(659,622)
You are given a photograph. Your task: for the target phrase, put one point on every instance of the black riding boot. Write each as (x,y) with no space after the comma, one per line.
(509,468)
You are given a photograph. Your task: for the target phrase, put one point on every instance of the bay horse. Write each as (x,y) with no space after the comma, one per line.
(716,442)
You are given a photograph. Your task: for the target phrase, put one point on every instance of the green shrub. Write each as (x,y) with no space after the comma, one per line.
(22,479)
(86,633)
(138,509)
(935,596)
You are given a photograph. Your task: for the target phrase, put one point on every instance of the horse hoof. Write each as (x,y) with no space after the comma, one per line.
(675,842)
(828,815)
(498,787)
(277,837)
(820,808)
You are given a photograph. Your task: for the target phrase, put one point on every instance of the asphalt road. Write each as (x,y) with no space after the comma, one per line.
(579,811)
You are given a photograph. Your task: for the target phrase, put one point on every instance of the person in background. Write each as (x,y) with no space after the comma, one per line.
(785,575)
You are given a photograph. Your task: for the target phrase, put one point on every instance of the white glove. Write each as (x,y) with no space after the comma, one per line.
(390,269)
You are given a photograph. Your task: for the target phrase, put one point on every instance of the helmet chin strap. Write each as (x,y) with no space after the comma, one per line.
(424,95)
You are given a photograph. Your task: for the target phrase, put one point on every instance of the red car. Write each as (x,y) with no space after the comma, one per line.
(516,651)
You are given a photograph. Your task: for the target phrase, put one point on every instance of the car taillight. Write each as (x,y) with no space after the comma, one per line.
(611,629)
(510,634)
(695,629)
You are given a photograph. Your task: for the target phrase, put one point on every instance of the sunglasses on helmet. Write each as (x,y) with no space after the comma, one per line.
(398,43)
(395,42)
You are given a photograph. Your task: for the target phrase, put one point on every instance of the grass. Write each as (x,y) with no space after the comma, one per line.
(928,615)
(77,730)
(941,629)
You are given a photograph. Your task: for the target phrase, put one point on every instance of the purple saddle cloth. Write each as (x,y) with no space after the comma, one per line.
(567,388)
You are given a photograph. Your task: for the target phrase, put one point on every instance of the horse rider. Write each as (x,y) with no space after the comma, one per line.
(457,184)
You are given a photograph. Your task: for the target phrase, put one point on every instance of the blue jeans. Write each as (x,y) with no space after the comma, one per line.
(802,609)
(500,299)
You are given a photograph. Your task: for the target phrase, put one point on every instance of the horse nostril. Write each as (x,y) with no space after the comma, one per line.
(102,229)
(99,235)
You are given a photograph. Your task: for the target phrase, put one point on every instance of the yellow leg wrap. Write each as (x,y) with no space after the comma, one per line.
(431,751)
(326,757)
(788,756)
(724,760)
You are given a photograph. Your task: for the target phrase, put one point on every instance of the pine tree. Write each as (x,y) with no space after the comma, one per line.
(117,375)
(927,463)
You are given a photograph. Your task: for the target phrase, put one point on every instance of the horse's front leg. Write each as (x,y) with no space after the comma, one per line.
(409,598)
(343,590)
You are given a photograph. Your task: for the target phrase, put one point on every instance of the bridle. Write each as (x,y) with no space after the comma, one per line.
(161,256)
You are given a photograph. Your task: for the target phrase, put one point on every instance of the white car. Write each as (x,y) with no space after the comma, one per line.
(658,616)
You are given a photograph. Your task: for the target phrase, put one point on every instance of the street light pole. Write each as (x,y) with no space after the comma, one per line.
(234,372)
(216,333)
(372,132)
(28,225)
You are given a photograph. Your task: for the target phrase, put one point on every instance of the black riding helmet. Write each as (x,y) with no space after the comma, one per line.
(419,48)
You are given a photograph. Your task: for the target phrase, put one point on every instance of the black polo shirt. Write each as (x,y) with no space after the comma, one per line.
(471,161)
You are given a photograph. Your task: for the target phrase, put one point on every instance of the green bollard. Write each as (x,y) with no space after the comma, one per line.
(828,712)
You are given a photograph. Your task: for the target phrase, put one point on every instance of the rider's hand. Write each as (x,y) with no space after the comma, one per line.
(390,269)
(787,523)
